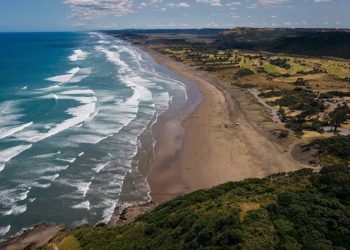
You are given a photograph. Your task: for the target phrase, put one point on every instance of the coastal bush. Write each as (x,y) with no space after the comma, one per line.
(337,146)
(300,82)
(280,62)
(244,72)
(244,85)
(297,210)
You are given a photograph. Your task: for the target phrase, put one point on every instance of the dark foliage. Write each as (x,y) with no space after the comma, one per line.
(244,72)
(298,210)
(338,146)
(280,62)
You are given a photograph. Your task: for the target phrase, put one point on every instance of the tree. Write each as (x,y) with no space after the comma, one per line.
(338,116)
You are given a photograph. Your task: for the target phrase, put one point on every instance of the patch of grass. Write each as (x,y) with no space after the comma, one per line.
(271,69)
(246,207)
(69,243)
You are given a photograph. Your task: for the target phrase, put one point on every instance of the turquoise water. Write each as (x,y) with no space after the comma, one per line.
(72,109)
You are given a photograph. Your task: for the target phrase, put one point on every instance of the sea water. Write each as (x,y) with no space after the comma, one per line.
(72,109)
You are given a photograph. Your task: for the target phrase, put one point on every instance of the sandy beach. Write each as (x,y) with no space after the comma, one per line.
(216,143)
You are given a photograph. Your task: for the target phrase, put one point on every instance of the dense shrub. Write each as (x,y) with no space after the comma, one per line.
(337,145)
(244,72)
(298,210)
(280,62)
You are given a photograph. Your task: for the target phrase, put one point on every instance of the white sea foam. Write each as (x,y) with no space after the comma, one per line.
(81,154)
(9,153)
(4,230)
(162,102)
(46,155)
(54,87)
(100,166)
(25,87)
(87,138)
(78,92)
(74,70)
(108,212)
(52,169)
(104,42)
(7,212)
(39,185)
(70,160)
(78,55)
(8,197)
(61,78)
(114,58)
(83,205)
(64,78)
(85,71)
(82,186)
(11,131)
(23,195)
(18,209)
(79,114)
(50,177)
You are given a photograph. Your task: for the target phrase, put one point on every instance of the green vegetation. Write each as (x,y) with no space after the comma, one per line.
(338,116)
(334,149)
(244,85)
(331,94)
(298,210)
(299,99)
(244,72)
(280,62)
(294,41)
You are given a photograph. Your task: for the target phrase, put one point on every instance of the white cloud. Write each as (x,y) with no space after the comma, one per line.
(182,5)
(88,9)
(210,2)
(266,3)
(322,1)
(272,2)
(233,4)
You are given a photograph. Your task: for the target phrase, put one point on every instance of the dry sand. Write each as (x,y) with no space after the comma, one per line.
(214,149)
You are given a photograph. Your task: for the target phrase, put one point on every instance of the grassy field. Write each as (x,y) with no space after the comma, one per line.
(269,71)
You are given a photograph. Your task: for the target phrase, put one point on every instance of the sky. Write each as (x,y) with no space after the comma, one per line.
(76,15)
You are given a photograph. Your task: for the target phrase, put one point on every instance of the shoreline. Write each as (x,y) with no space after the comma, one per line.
(201,147)
(136,184)
(214,149)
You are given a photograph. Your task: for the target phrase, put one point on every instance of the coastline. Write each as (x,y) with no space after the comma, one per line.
(199,146)
(214,150)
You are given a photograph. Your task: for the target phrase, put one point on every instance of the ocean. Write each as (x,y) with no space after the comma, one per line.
(75,111)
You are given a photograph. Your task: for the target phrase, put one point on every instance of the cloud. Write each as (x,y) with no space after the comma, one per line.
(266,3)
(181,5)
(210,2)
(322,1)
(233,3)
(272,2)
(89,9)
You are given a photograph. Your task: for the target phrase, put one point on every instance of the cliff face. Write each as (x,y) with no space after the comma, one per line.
(298,210)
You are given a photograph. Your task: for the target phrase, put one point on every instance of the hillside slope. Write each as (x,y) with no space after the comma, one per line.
(311,42)
(298,210)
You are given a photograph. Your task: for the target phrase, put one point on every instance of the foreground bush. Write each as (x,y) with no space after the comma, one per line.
(298,210)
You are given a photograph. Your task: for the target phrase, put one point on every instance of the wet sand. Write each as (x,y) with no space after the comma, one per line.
(215,144)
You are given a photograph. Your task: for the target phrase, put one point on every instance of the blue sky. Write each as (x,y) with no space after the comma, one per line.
(61,15)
